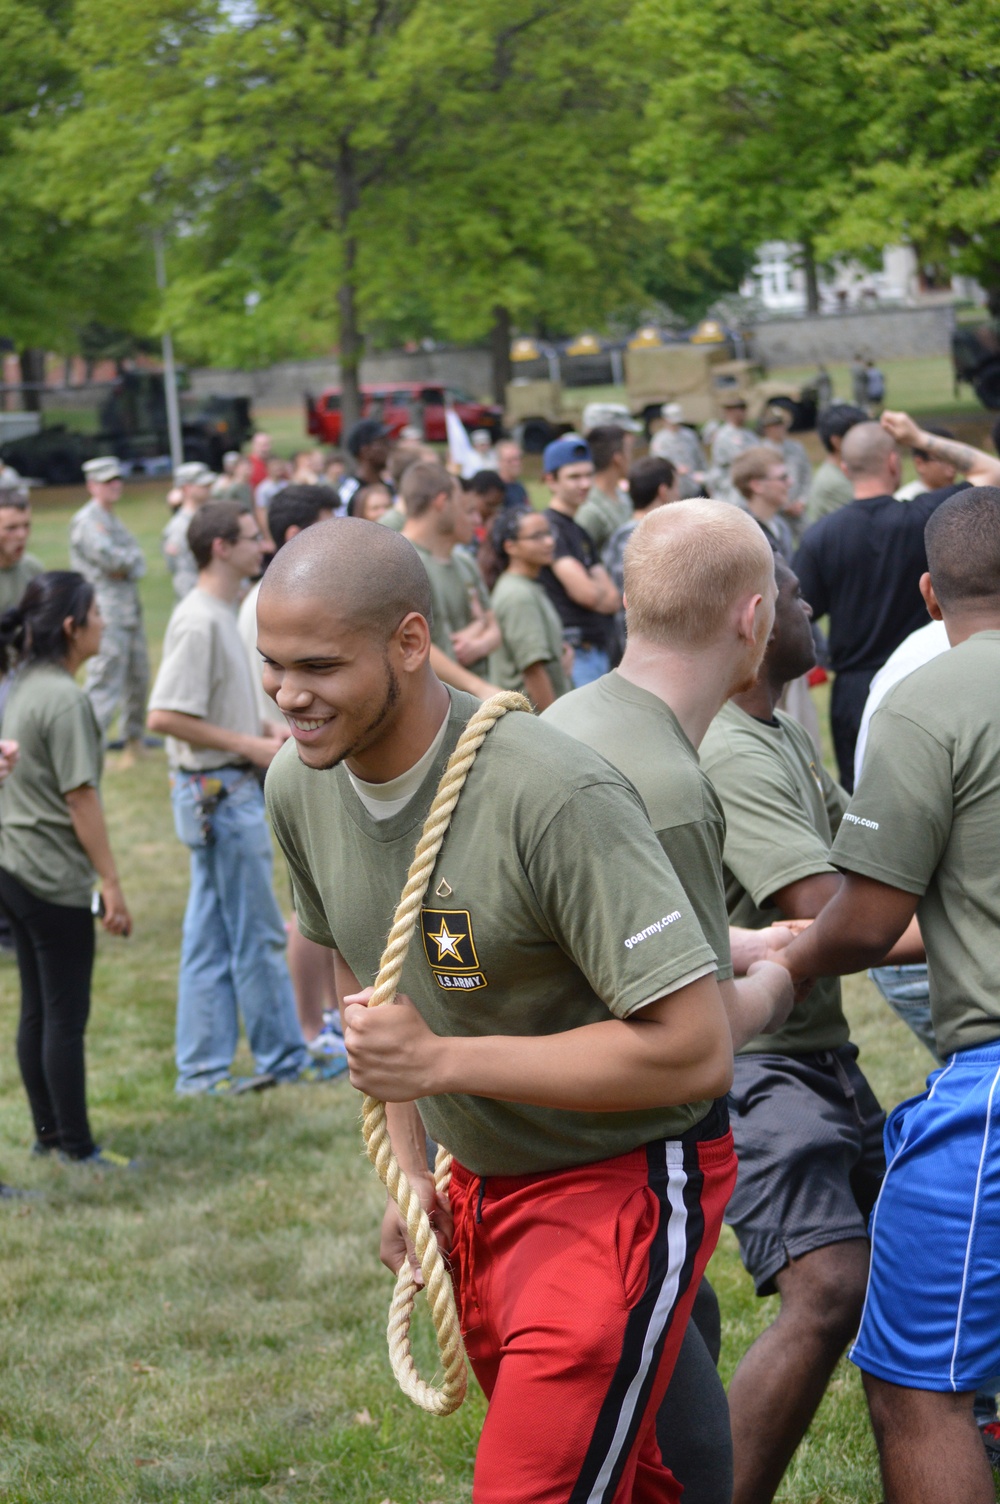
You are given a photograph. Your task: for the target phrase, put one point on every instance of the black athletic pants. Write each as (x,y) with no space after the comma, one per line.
(55,957)
(692,1423)
(847,706)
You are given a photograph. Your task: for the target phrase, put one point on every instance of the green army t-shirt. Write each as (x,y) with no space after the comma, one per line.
(51,718)
(455,584)
(531,633)
(550,906)
(640,736)
(925,818)
(13,581)
(782,810)
(602,514)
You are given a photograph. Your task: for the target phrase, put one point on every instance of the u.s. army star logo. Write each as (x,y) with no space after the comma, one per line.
(451,949)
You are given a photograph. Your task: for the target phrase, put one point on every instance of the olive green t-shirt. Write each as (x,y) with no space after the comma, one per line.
(14,580)
(455,584)
(640,736)
(550,906)
(531,633)
(51,718)
(782,811)
(601,514)
(925,818)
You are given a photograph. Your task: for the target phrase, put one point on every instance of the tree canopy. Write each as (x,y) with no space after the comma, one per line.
(334,171)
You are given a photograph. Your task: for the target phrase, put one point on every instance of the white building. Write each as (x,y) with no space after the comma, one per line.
(778,281)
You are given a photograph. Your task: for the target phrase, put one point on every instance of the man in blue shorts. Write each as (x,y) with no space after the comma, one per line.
(920,838)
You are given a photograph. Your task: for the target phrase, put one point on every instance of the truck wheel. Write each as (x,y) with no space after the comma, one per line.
(535,434)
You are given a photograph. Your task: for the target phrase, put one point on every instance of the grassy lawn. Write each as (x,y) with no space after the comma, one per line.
(211,1327)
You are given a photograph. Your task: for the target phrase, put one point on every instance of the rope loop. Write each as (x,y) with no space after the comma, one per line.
(437,1280)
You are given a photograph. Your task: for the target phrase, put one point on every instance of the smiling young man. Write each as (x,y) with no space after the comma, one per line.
(572,1067)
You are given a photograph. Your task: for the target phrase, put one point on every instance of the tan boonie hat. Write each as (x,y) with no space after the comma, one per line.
(194,473)
(105,467)
(672,411)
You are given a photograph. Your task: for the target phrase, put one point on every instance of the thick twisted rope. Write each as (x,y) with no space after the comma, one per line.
(437,1280)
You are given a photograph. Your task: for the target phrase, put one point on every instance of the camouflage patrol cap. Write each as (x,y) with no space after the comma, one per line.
(106,467)
(775,415)
(194,473)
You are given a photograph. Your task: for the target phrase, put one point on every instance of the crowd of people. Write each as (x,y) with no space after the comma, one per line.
(625,986)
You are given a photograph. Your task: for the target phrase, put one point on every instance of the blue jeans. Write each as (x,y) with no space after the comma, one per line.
(589,664)
(233,944)
(907,991)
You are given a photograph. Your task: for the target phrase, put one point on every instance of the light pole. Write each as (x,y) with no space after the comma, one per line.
(169,370)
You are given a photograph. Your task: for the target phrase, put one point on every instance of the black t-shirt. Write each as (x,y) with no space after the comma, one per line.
(862,567)
(573,542)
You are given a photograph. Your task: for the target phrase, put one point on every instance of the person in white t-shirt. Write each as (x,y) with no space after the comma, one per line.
(233,945)
(293,509)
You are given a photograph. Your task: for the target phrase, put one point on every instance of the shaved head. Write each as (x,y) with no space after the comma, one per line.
(866,451)
(688,565)
(963,549)
(371,575)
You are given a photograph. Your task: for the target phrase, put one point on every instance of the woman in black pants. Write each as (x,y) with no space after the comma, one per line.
(53,841)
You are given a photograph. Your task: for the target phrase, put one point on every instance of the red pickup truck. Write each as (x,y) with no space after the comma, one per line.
(400,405)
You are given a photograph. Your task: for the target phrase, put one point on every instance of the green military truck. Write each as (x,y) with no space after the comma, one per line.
(127,417)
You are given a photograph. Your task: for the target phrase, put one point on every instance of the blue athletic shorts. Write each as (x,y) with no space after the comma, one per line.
(932,1313)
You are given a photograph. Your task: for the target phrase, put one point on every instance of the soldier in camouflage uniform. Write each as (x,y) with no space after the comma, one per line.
(105,553)
(732,440)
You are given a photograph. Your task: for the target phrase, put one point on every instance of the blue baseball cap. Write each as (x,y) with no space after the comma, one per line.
(570,450)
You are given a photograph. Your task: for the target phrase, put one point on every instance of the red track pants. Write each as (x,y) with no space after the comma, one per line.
(574,1290)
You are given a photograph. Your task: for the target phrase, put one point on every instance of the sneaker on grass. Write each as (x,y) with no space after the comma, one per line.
(327,1069)
(102,1159)
(329,1042)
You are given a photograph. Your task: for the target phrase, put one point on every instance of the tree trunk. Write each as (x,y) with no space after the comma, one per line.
(500,348)
(33,378)
(812,280)
(351,343)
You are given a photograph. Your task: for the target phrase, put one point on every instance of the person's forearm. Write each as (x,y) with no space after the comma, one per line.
(612,1066)
(750,1002)
(90,830)
(196,732)
(458,677)
(976,465)
(908,949)
(842,940)
(609,601)
(408,1137)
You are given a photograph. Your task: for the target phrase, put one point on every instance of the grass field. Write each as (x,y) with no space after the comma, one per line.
(211,1326)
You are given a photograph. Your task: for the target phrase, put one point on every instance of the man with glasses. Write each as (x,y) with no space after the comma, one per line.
(233,945)
(103,550)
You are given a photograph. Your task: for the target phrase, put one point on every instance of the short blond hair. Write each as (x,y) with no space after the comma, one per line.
(753,464)
(687,566)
